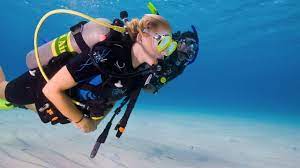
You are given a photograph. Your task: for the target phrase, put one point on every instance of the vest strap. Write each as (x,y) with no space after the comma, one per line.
(77,34)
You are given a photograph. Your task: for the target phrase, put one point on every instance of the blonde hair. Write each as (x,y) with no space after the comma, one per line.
(149,21)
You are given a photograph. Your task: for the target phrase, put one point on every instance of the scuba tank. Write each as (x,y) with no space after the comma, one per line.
(92,33)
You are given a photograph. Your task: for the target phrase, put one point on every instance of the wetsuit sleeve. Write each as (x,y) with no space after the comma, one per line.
(81,68)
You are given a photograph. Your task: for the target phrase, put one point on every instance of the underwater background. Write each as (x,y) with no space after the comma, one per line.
(248,67)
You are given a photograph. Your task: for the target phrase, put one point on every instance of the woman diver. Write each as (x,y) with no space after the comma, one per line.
(125,62)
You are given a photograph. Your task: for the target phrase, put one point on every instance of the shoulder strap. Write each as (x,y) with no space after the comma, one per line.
(77,34)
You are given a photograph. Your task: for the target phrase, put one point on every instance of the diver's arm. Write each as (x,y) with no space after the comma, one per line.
(54,91)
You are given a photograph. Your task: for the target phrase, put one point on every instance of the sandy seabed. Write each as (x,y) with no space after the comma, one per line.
(150,141)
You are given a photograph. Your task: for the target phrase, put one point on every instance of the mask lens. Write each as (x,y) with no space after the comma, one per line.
(172,47)
(164,43)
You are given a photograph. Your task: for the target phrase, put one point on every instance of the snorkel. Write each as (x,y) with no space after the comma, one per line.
(152,8)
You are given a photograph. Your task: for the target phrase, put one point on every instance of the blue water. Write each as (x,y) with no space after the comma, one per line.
(248,61)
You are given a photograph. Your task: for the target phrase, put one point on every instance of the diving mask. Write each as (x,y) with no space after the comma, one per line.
(163,42)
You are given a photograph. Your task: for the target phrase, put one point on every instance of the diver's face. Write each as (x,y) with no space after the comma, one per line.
(150,43)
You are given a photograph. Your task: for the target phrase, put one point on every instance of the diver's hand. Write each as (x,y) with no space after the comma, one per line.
(86,125)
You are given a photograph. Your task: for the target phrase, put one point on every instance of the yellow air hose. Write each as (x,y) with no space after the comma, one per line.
(71,12)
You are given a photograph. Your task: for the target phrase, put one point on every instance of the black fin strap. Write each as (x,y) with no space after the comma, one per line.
(77,34)
(120,127)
